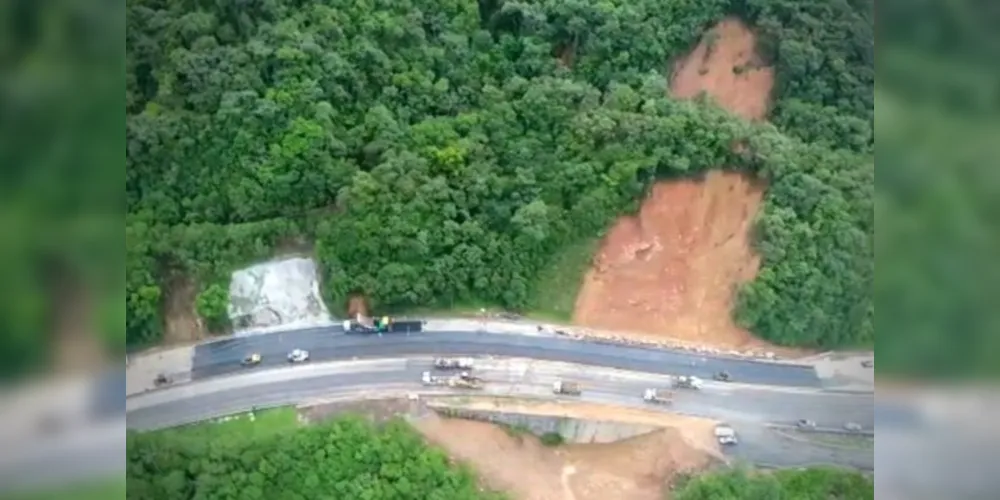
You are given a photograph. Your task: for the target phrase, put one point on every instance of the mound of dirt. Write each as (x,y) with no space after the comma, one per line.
(183,325)
(634,469)
(674,269)
(725,65)
(356,305)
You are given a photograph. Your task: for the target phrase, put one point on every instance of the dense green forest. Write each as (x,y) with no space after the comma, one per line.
(806,484)
(345,458)
(443,152)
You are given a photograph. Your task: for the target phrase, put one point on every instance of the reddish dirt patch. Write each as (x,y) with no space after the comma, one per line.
(633,469)
(356,305)
(725,66)
(674,269)
(183,325)
(77,347)
(566,55)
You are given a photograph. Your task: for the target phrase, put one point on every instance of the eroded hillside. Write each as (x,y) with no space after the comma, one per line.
(674,268)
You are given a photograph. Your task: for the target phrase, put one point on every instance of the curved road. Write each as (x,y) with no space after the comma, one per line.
(328,344)
(752,410)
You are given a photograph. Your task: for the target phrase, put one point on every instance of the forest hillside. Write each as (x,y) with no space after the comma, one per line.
(435,152)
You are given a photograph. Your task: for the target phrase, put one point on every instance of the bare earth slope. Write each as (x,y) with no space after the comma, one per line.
(674,269)
(633,469)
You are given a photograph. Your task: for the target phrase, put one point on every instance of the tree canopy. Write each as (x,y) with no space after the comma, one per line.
(440,152)
(807,484)
(344,458)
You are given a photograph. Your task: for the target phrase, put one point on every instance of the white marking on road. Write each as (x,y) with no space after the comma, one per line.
(251,378)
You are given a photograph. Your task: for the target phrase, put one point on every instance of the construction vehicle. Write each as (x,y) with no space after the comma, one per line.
(725,434)
(722,376)
(658,396)
(469,377)
(453,363)
(251,360)
(298,356)
(461,381)
(688,382)
(384,324)
(161,380)
(567,388)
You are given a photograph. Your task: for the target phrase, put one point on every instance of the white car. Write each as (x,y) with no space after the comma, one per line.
(726,435)
(298,356)
(806,424)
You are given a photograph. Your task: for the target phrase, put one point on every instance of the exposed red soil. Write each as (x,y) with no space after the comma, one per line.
(725,66)
(77,347)
(675,268)
(633,469)
(357,305)
(183,325)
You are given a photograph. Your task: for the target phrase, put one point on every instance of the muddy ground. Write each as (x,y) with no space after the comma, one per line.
(640,468)
(674,269)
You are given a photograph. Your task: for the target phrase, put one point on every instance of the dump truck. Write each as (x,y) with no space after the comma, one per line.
(658,396)
(453,363)
(725,434)
(383,324)
(567,388)
(688,382)
(455,381)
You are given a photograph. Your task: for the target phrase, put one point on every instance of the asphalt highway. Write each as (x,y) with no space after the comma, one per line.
(329,344)
(752,411)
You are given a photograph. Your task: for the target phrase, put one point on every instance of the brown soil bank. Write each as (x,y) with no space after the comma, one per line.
(725,66)
(634,469)
(674,269)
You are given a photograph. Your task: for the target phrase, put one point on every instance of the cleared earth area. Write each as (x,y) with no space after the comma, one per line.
(520,463)
(637,468)
(673,270)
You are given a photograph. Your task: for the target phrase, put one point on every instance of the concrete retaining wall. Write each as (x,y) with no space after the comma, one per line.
(573,430)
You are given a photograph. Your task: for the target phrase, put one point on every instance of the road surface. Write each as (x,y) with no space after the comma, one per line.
(750,409)
(328,344)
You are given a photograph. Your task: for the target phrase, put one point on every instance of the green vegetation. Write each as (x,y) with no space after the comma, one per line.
(807,484)
(554,291)
(440,153)
(552,439)
(263,424)
(273,457)
(91,490)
